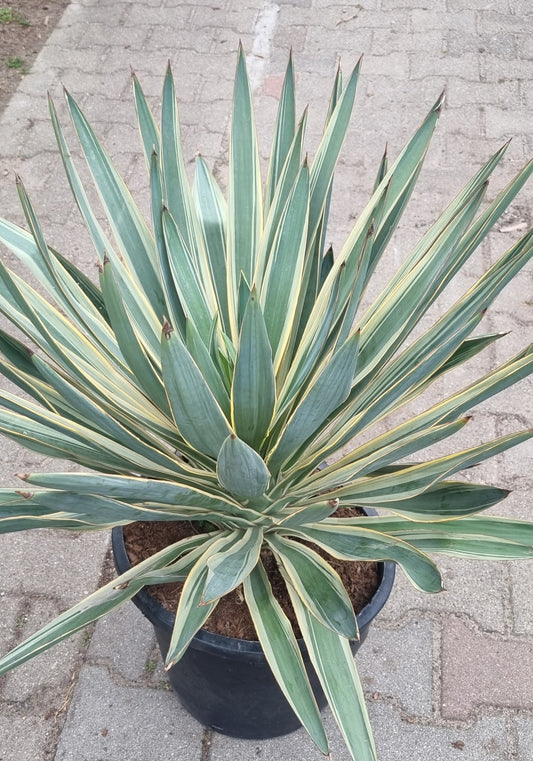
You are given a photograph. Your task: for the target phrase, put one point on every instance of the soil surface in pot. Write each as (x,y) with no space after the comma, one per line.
(231,617)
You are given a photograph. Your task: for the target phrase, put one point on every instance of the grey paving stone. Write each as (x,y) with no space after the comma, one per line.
(386,5)
(426,19)
(125,640)
(350,42)
(522,594)
(50,672)
(524,728)
(484,670)
(502,93)
(25,738)
(490,19)
(386,41)
(498,6)
(109,721)
(297,745)
(387,667)
(476,589)
(494,69)
(396,740)
(441,66)
(49,563)
(12,607)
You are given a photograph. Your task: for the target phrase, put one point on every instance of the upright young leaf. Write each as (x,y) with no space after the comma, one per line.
(444,411)
(134,238)
(188,281)
(285,263)
(283,135)
(295,372)
(131,345)
(288,176)
(148,129)
(212,215)
(241,470)
(328,151)
(312,280)
(210,371)
(253,393)
(177,192)
(174,308)
(37,255)
(398,182)
(327,390)
(196,412)
(245,212)
(397,310)
(99,239)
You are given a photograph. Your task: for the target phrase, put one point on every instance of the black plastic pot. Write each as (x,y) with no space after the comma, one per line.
(226,683)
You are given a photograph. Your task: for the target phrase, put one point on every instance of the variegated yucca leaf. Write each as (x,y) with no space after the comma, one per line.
(225,372)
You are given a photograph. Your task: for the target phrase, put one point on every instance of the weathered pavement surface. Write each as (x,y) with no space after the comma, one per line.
(447,677)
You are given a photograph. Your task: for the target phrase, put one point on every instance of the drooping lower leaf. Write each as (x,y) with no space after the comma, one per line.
(317,584)
(282,653)
(228,569)
(96,605)
(192,612)
(335,666)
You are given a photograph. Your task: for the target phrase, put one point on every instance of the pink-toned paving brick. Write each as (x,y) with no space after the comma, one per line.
(480,669)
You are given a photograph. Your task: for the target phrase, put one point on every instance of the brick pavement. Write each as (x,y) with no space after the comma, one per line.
(447,677)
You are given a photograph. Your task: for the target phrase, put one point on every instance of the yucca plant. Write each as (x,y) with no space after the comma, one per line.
(225,356)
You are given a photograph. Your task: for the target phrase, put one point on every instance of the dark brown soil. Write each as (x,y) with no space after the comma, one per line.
(24,28)
(231,616)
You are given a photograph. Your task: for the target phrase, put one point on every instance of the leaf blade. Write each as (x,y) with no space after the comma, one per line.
(253,391)
(283,654)
(195,410)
